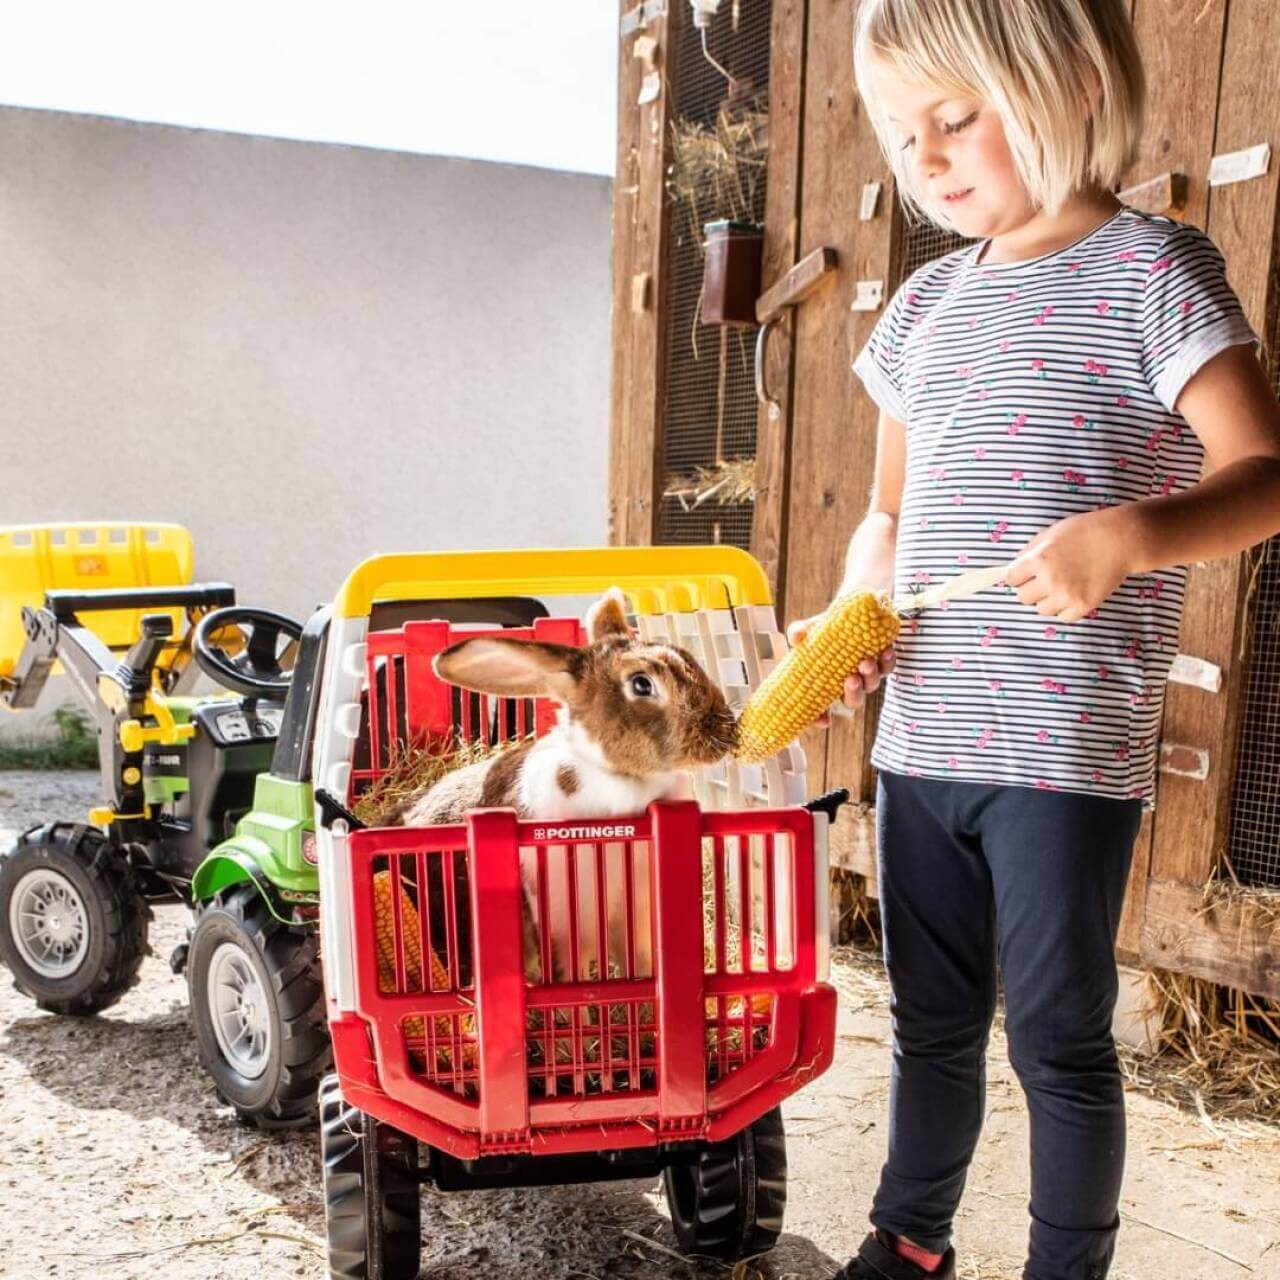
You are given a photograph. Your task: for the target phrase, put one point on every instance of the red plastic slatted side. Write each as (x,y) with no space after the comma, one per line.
(409,706)
(701,1037)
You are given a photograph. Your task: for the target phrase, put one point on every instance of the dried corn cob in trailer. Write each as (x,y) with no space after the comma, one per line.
(857,626)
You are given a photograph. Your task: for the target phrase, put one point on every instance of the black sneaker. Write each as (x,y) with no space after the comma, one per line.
(876,1260)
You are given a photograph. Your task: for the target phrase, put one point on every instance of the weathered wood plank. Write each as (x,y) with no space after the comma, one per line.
(833,434)
(781,244)
(1192,816)
(1129,937)
(1181,43)
(640,226)
(1231,943)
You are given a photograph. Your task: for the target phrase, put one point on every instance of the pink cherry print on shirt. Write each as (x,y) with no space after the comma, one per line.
(924,522)
(1043,785)
(989,637)
(1043,736)
(984,391)
(1128,255)
(1103,672)
(958,499)
(1160,264)
(1167,486)
(1012,296)
(972,322)
(962,557)
(1037,366)
(980,452)
(1153,440)
(1185,306)
(1073,267)
(1044,315)
(1103,306)
(912,299)
(918,680)
(957,663)
(1051,633)
(1122,399)
(1096,775)
(1122,463)
(939,474)
(1005,344)
(984,738)
(997,531)
(996,687)
(953,763)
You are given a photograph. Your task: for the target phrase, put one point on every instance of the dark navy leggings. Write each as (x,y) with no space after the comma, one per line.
(971,876)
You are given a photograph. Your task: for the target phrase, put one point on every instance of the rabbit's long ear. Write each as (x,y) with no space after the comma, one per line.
(608,617)
(511,668)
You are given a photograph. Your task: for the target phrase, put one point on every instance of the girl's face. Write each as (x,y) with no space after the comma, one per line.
(961,158)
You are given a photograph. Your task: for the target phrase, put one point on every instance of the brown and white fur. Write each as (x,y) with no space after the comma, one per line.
(634,719)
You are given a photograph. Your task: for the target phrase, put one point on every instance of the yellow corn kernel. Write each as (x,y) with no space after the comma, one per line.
(385,933)
(809,679)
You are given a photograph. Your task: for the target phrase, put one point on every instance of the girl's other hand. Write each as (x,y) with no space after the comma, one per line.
(1070,568)
(866,679)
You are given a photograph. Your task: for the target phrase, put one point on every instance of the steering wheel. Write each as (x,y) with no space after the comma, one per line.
(252,668)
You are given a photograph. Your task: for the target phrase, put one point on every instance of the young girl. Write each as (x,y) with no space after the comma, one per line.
(1049,396)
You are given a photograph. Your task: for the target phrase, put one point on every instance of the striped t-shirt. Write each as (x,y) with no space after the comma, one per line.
(1032,391)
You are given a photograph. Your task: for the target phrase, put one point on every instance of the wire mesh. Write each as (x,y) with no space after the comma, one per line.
(710,404)
(1254,844)
(926,242)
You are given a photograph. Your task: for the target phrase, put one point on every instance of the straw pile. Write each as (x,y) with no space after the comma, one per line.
(719,172)
(1218,1048)
(414,769)
(730,483)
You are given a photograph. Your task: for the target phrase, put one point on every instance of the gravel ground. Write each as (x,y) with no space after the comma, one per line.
(120,1162)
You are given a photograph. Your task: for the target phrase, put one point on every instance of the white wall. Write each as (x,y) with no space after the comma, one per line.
(304,352)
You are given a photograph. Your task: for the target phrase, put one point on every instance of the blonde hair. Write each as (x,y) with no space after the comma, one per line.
(1040,63)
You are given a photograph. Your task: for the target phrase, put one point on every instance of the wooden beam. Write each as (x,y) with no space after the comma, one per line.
(797,284)
(1233,943)
(769,521)
(1192,816)
(640,227)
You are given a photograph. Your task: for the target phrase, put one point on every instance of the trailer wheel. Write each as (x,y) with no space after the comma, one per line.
(371,1193)
(729,1202)
(257,1004)
(73,928)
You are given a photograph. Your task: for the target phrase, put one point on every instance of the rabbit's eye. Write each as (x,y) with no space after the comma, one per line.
(640,687)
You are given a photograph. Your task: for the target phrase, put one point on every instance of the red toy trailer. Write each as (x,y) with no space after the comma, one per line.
(695,998)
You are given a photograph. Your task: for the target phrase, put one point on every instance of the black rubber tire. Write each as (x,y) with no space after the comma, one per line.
(371,1193)
(286,962)
(116,924)
(729,1202)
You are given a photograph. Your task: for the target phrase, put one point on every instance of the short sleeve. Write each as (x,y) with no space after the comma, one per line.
(1189,312)
(878,364)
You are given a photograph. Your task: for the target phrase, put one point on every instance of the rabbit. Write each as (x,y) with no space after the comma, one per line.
(634,718)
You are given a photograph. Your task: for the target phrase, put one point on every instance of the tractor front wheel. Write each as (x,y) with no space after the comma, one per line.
(257,1003)
(73,928)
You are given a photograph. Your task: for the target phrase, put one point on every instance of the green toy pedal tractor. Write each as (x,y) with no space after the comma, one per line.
(204,803)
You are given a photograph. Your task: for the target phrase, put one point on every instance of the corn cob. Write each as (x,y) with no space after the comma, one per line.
(809,679)
(385,933)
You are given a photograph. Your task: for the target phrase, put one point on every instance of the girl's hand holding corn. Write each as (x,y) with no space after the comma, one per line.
(868,677)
